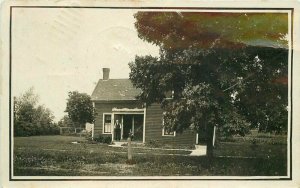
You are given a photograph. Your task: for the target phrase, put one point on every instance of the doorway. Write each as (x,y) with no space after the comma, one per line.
(133,123)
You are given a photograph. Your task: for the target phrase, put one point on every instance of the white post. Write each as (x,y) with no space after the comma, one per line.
(122,127)
(214,136)
(93,131)
(144,125)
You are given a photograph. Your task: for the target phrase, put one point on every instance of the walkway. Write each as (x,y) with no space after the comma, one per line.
(198,151)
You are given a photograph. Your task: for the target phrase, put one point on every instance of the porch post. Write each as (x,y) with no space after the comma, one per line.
(113,127)
(122,129)
(132,125)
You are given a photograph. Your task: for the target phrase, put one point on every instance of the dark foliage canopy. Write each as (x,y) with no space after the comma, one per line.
(224,69)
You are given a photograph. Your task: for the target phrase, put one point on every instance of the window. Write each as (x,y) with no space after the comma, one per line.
(166,131)
(107,125)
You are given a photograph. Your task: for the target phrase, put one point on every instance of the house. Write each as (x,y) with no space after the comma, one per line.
(114,100)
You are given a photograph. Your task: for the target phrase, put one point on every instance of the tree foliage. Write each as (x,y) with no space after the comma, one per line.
(225,69)
(66,122)
(80,108)
(180,30)
(31,118)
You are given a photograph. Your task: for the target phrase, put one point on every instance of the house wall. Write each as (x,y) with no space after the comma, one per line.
(154,129)
(106,107)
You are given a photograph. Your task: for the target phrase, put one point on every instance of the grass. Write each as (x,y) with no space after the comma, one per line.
(57,156)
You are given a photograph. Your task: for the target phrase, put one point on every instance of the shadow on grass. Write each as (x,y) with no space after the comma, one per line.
(165,166)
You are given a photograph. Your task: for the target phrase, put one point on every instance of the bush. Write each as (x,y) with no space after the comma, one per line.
(103,139)
(23,128)
(99,139)
(153,144)
(275,140)
(107,140)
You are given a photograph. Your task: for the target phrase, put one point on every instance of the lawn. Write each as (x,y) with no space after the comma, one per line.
(57,156)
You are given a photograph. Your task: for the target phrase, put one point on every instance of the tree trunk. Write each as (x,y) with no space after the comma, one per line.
(209,141)
(80,131)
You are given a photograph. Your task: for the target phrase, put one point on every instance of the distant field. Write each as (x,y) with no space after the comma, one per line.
(57,156)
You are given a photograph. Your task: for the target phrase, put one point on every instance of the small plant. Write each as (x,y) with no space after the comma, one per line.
(254,144)
(131,162)
(254,141)
(88,136)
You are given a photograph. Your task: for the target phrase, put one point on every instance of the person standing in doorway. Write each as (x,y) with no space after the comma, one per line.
(117,130)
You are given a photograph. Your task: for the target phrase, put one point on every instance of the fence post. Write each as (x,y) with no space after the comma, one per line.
(129,149)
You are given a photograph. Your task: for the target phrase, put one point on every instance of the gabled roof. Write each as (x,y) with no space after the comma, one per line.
(115,89)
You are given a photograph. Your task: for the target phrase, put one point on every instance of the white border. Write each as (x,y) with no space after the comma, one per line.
(214,177)
(255,3)
(198,177)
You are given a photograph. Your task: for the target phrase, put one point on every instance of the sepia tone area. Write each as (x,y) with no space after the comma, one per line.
(207,95)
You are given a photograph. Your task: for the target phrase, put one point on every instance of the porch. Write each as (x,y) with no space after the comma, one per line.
(132,123)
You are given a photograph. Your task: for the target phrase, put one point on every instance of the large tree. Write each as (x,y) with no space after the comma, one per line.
(225,69)
(80,108)
(30,118)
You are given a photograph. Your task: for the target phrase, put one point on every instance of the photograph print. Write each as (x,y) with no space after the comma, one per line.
(101,93)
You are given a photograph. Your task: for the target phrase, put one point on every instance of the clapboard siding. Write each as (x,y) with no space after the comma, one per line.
(154,129)
(105,107)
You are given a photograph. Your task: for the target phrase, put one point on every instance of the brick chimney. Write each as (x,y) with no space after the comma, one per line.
(106,73)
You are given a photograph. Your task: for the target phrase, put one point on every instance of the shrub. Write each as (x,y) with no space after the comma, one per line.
(107,140)
(153,144)
(103,139)
(23,128)
(98,139)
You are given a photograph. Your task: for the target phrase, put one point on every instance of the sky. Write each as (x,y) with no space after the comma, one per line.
(61,50)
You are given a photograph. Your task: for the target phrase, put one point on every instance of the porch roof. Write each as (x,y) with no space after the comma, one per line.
(128,110)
